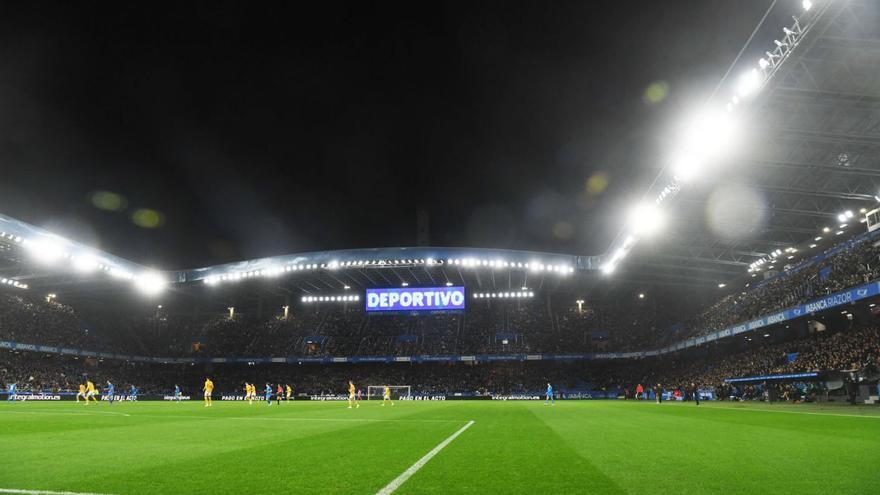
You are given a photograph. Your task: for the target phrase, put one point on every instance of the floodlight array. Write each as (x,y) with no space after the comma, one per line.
(504,295)
(13,283)
(49,251)
(322,299)
(467,263)
(708,136)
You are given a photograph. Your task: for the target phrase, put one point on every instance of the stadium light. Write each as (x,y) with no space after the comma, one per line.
(85,263)
(722,285)
(641,296)
(646,219)
(749,83)
(150,283)
(848,213)
(807,5)
(45,251)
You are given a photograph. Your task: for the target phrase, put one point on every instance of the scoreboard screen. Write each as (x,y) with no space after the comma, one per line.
(415,299)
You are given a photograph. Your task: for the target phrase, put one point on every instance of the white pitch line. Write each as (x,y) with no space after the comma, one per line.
(45,492)
(67,413)
(396,482)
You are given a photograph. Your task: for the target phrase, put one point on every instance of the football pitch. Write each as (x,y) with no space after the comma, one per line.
(596,447)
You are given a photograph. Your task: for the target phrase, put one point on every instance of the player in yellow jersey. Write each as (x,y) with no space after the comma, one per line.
(288,392)
(209,390)
(90,391)
(249,393)
(386,395)
(351,396)
(81,393)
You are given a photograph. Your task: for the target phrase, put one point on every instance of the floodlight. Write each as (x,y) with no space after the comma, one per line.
(45,251)
(646,219)
(763,63)
(848,213)
(749,83)
(150,283)
(85,263)
(807,5)
(685,166)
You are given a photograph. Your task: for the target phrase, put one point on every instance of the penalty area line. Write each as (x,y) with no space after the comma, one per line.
(45,492)
(396,482)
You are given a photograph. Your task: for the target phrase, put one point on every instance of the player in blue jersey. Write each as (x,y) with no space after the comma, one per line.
(177,393)
(11,390)
(133,393)
(110,391)
(550,399)
(268,393)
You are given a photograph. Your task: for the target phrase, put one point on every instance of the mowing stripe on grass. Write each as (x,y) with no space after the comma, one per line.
(396,482)
(810,413)
(45,492)
(332,420)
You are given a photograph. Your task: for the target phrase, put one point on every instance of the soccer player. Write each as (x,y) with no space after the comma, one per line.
(209,390)
(288,392)
(279,394)
(90,391)
(351,395)
(110,391)
(81,393)
(268,393)
(658,393)
(177,393)
(386,395)
(247,391)
(549,399)
(133,394)
(696,392)
(639,391)
(11,391)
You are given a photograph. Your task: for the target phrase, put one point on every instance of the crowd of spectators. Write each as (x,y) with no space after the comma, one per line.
(855,263)
(852,349)
(492,326)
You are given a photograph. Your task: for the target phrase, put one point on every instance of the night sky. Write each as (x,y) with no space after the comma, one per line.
(256,129)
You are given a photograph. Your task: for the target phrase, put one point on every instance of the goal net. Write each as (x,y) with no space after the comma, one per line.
(375,392)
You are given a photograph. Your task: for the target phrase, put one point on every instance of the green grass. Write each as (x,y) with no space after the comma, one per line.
(595,447)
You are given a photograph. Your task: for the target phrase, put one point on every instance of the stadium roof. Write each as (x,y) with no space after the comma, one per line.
(809,152)
(44,262)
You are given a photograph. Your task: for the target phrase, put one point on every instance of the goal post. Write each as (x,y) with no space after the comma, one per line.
(397,391)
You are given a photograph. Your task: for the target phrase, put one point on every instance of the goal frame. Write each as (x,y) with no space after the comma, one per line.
(402,391)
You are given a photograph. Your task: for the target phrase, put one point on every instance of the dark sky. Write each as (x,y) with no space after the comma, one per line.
(259,129)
